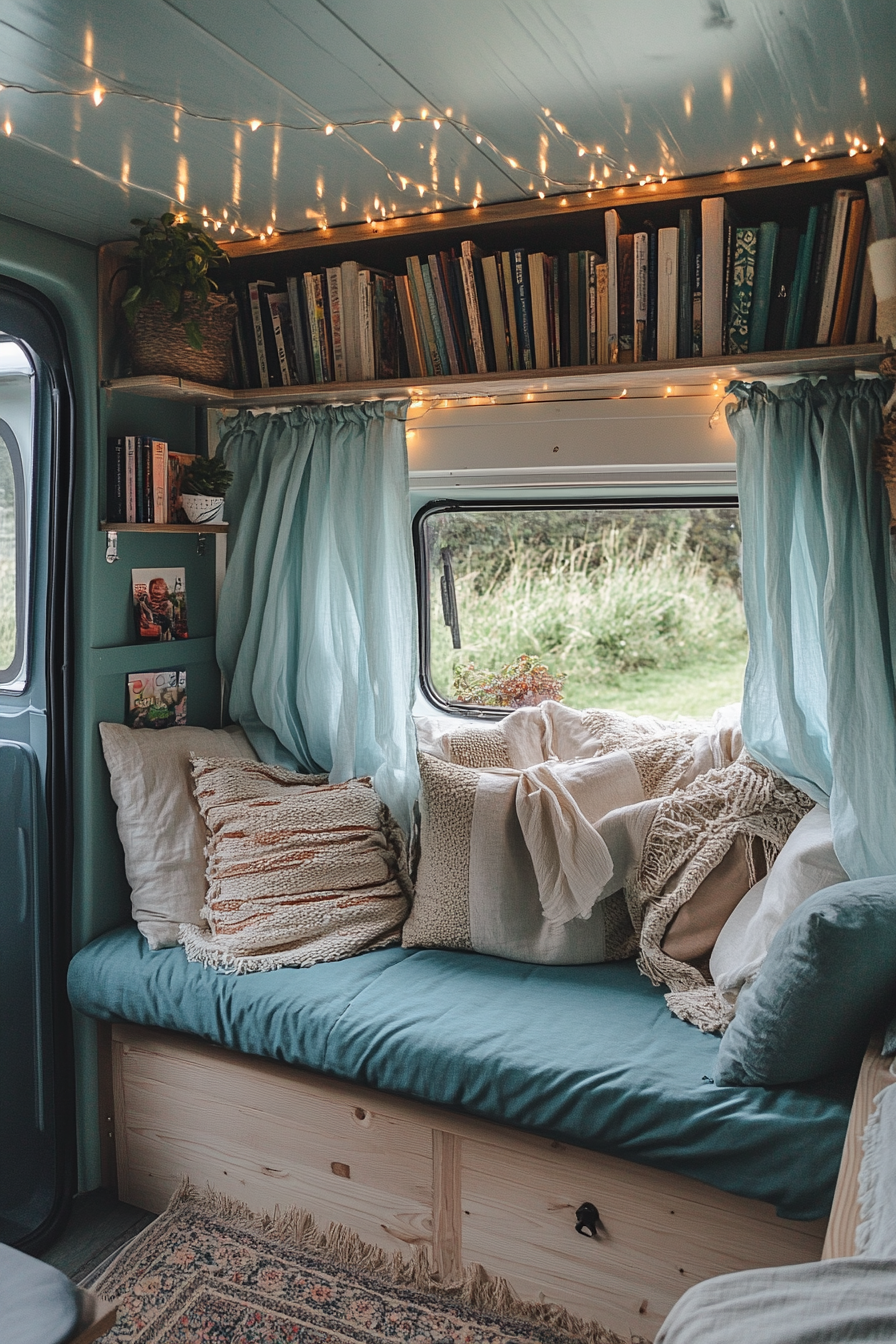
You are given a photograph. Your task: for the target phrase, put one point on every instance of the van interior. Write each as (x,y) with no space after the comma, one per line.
(447,670)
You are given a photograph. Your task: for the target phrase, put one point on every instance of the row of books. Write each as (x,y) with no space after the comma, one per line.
(712,286)
(143,480)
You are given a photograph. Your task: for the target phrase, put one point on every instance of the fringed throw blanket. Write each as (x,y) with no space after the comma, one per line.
(707,823)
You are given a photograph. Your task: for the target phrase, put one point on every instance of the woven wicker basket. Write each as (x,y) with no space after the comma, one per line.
(158,344)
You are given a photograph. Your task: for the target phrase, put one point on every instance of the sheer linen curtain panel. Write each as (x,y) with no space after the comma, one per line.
(317,625)
(820,597)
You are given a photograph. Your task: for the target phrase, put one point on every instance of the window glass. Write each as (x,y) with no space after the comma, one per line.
(624,608)
(7,557)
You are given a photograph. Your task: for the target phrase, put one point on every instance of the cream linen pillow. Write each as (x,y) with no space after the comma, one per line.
(807,864)
(299,870)
(161,831)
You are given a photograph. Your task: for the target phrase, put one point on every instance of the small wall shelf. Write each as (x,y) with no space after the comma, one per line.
(164,527)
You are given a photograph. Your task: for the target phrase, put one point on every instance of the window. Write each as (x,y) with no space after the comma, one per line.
(636,608)
(15,509)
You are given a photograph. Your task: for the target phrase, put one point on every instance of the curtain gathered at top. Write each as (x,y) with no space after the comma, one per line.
(317,626)
(820,598)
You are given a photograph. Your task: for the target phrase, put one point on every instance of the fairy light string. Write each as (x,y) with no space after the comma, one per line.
(540,183)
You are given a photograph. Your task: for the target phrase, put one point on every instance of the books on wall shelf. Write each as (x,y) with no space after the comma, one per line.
(713,285)
(160,604)
(157,699)
(143,480)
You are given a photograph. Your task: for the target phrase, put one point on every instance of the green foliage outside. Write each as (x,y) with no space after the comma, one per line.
(639,611)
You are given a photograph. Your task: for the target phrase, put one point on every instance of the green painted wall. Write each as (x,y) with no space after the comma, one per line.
(66,272)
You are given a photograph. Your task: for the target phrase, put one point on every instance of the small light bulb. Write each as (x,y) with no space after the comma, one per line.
(479,140)
(99,93)
(270,229)
(581,152)
(396,123)
(437,124)
(328,130)
(423,114)
(203,211)
(744,162)
(541,195)
(254,124)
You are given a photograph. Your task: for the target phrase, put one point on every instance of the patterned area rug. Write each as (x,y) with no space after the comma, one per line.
(209,1271)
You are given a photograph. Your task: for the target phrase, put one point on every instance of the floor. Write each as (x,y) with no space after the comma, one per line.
(100,1224)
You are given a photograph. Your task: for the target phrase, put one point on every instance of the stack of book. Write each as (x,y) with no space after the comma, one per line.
(714,285)
(143,480)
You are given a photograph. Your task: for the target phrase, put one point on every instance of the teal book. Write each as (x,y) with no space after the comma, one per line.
(801,283)
(762,285)
(743,275)
(433,306)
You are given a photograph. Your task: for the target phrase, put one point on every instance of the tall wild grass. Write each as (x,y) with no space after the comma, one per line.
(596,616)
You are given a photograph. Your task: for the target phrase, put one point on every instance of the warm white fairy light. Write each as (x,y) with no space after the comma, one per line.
(7,126)
(396,123)
(98,94)
(437,123)
(328,129)
(254,124)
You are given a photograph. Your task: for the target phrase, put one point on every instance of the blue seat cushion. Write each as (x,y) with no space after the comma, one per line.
(38,1304)
(588,1055)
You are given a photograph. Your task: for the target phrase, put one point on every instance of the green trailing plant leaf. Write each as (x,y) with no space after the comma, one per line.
(206,476)
(172,261)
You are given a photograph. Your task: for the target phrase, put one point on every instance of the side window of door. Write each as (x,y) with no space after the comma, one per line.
(15,509)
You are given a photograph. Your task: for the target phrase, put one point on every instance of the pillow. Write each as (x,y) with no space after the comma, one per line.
(828,978)
(806,864)
(159,825)
(299,870)
(476,887)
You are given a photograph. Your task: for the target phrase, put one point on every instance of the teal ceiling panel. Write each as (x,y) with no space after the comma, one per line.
(279,114)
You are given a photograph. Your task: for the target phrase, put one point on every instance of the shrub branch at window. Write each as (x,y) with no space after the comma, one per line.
(523,682)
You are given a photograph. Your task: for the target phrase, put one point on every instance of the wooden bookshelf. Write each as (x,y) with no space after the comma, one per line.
(604,378)
(194,528)
(574,220)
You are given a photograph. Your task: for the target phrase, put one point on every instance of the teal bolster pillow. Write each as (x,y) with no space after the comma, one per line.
(828,980)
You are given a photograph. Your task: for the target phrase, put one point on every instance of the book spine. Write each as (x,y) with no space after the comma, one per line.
(712,212)
(563,306)
(334,300)
(313,329)
(279,342)
(625,270)
(840,215)
(246,325)
(456,312)
(130,479)
(444,314)
(466,267)
(640,286)
(507,272)
(435,317)
(145,451)
(460,294)
(416,365)
(539,310)
(667,294)
(522,305)
(304,366)
(855,298)
(240,357)
(742,291)
(611,228)
(797,308)
(602,352)
(116,488)
(139,482)
(650,335)
(258,334)
(496,313)
(418,304)
(575,356)
(592,307)
(351,330)
(320,317)
(783,281)
(159,450)
(686,253)
(882,207)
(816,277)
(867,307)
(762,284)
(365,306)
(851,247)
(485,319)
(697,301)
(424,314)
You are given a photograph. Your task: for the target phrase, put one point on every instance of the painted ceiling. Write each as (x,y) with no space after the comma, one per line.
(290,114)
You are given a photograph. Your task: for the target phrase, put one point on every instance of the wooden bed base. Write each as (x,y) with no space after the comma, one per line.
(403,1173)
(874,1076)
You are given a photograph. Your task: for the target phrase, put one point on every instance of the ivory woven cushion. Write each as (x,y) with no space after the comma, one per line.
(161,831)
(299,871)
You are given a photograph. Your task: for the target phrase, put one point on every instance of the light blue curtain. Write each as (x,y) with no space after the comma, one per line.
(317,627)
(820,597)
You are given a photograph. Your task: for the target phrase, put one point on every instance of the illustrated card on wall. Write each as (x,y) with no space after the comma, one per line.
(157,699)
(160,604)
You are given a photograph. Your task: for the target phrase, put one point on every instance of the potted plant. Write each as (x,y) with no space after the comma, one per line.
(177,321)
(205,483)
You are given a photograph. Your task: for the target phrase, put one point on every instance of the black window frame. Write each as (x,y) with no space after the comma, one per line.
(422,570)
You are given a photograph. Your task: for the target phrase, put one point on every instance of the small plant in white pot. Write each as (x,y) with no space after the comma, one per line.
(206,481)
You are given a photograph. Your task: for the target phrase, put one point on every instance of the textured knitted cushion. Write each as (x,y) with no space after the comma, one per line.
(299,870)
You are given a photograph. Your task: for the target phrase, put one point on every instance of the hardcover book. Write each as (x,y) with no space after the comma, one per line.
(743,279)
(625,271)
(783,284)
(157,699)
(160,605)
(116,485)
(686,281)
(762,284)
(667,294)
(177,465)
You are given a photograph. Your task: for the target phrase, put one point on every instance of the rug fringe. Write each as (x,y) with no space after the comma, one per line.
(477,1288)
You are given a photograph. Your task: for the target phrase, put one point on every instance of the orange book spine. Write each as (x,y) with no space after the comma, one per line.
(848,270)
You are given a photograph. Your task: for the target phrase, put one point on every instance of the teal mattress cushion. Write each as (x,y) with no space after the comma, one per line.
(588,1055)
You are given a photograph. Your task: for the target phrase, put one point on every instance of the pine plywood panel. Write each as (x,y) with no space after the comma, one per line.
(661,1232)
(875,1074)
(255,1139)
